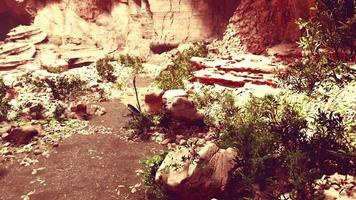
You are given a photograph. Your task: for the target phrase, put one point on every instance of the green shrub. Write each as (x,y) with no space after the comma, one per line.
(333,25)
(331,30)
(131,61)
(106,69)
(304,76)
(181,68)
(65,87)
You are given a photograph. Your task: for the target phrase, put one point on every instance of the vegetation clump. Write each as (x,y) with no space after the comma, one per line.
(4,104)
(181,69)
(133,62)
(154,191)
(281,149)
(106,69)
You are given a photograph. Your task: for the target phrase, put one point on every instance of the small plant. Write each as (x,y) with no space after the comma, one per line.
(4,104)
(181,68)
(106,69)
(3,89)
(154,190)
(139,123)
(333,26)
(131,61)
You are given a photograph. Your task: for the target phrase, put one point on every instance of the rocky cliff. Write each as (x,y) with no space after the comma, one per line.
(137,24)
(264,23)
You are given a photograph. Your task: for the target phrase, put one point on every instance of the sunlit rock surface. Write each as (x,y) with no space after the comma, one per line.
(237,71)
(138,23)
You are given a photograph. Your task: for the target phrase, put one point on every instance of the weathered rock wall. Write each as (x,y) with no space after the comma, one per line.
(138,23)
(115,23)
(263,23)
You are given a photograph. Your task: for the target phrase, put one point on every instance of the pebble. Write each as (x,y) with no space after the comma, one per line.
(201,135)
(166,141)
(182,142)
(192,141)
(179,137)
(37,151)
(200,142)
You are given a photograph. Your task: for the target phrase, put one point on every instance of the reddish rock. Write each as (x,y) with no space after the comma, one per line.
(263,23)
(79,111)
(21,135)
(154,101)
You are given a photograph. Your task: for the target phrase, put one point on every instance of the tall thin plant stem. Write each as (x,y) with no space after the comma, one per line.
(136,93)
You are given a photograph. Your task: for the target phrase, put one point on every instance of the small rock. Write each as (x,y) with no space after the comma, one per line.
(55,144)
(182,142)
(97,110)
(166,141)
(37,152)
(52,63)
(197,180)
(79,111)
(200,142)
(201,135)
(170,94)
(182,108)
(179,137)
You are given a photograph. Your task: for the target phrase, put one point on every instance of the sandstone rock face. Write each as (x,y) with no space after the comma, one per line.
(200,174)
(114,23)
(262,23)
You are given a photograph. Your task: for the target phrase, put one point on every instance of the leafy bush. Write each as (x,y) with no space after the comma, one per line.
(304,76)
(181,68)
(131,61)
(330,30)
(3,89)
(276,140)
(332,26)
(105,69)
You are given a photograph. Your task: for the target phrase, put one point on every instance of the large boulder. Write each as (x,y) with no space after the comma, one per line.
(197,174)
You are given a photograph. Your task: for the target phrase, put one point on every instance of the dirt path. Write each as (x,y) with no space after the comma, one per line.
(83,167)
